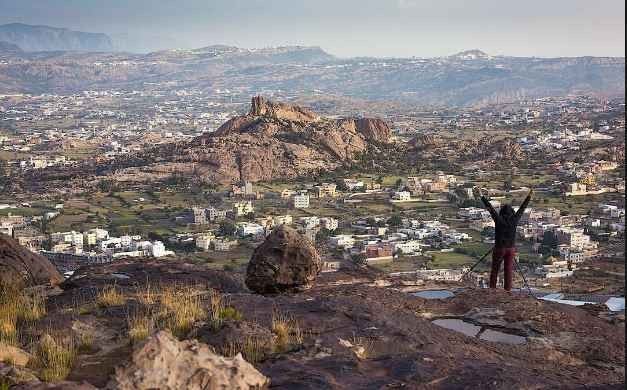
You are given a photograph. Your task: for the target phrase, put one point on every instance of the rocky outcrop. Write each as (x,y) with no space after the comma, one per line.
(262,107)
(273,141)
(18,264)
(285,261)
(374,129)
(165,363)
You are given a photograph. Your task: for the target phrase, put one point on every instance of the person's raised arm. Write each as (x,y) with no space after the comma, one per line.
(524,205)
(488,205)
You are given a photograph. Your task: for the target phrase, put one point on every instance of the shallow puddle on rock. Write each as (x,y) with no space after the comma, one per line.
(458,326)
(434,294)
(471,330)
(500,337)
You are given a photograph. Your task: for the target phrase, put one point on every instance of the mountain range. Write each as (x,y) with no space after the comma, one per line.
(467,78)
(45,38)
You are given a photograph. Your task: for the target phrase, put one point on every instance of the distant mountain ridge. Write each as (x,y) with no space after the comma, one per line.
(46,38)
(468,78)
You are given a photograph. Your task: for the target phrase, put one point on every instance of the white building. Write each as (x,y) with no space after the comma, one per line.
(224,245)
(402,196)
(342,241)
(158,249)
(203,241)
(329,223)
(408,247)
(245,229)
(301,201)
(243,208)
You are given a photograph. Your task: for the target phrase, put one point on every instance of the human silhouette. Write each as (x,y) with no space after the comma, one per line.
(505,221)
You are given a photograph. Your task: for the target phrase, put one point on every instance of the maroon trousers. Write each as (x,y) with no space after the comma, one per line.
(498,255)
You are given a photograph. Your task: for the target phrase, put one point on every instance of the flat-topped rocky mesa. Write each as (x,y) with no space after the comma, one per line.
(273,140)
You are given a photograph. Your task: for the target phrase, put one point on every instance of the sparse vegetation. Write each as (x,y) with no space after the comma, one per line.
(18,308)
(86,341)
(140,326)
(362,346)
(110,296)
(287,331)
(253,349)
(54,357)
(181,307)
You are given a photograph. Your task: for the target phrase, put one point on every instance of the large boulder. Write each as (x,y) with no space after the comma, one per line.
(286,261)
(165,363)
(19,265)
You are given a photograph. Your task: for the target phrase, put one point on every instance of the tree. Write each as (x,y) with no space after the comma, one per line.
(549,240)
(371,221)
(359,258)
(322,235)
(395,220)
(227,228)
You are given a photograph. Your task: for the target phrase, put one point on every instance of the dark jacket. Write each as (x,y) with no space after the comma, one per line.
(505,228)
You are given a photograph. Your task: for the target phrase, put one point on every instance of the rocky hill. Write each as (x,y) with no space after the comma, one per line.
(45,38)
(467,78)
(273,140)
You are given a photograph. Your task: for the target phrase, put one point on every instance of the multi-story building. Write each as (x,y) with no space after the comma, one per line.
(325,190)
(216,214)
(243,208)
(200,216)
(224,245)
(203,241)
(301,201)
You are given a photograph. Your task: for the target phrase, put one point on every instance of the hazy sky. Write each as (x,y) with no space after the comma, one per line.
(402,28)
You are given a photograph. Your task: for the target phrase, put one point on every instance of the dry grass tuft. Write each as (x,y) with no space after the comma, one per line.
(253,349)
(18,308)
(86,341)
(221,310)
(140,326)
(363,347)
(110,296)
(181,308)
(54,357)
(287,331)
(147,295)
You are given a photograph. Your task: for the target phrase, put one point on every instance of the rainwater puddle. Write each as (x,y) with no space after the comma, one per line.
(472,330)
(500,337)
(459,326)
(434,294)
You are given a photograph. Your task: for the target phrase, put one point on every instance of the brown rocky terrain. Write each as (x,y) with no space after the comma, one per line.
(273,140)
(346,332)
(18,264)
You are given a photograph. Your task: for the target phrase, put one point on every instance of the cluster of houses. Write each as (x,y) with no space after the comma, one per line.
(568,232)
(377,244)
(69,250)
